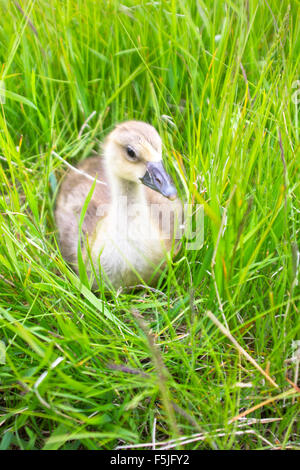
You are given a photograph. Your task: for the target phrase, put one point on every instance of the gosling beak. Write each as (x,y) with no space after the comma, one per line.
(158,179)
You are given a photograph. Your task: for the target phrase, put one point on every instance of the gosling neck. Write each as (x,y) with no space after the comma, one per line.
(125,190)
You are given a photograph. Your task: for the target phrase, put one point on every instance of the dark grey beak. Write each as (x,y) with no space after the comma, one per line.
(158,179)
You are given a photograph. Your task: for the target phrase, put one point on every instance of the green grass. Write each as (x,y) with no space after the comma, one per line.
(224,73)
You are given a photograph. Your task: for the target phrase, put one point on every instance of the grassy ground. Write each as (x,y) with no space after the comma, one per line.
(219,80)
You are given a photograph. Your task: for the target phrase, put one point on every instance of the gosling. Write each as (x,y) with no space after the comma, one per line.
(133,217)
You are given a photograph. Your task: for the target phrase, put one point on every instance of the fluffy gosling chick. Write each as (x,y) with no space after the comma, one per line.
(133,215)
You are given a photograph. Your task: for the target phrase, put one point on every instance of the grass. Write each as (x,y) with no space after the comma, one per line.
(86,370)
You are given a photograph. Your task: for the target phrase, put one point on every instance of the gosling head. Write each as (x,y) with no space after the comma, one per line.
(133,151)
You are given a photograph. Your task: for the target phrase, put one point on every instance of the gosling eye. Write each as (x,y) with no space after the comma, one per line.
(131,154)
